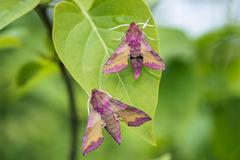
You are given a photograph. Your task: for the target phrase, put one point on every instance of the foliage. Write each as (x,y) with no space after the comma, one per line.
(84,44)
(12,9)
(198,104)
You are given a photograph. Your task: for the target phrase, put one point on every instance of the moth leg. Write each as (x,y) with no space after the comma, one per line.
(122,25)
(103,124)
(119,38)
(150,37)
(117,117)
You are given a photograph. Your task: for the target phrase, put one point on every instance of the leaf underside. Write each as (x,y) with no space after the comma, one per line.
(83,42)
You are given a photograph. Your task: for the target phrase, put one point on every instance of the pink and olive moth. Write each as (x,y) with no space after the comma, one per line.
(105,112)
(135,46)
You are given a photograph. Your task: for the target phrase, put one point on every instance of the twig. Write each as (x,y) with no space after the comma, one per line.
(73,112)
(74,120)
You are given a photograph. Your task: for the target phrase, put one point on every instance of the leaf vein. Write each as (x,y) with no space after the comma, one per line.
(102,41)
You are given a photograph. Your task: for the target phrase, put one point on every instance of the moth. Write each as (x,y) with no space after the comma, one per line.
(105,112)
(135,46)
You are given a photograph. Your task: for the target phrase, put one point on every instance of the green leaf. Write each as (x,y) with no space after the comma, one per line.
(226,139)
(174,43)
(218,55)
(27,72)
(84,43)
(166,156)
(13,9)
(8,42)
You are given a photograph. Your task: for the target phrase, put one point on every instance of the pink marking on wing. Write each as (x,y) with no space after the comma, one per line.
(93,134)
(114,69)
(154,65)
(139,121)
(151,58)
(118,61)
(93,145)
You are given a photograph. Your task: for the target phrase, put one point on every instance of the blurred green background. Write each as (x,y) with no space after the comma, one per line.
(198,113)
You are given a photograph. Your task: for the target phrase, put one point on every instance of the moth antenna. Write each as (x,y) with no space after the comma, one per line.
(146,23)
(122,25)
(150,37)
(88,104)
(88,99)
(149,25)
(119,38)
(99,86)
(86,92)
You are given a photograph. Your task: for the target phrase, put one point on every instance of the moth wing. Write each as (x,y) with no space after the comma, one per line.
(118,61)
(132,116)
(150,58)
(93,134)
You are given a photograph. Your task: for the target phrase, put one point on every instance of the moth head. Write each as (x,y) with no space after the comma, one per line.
(94,91)
(133,24)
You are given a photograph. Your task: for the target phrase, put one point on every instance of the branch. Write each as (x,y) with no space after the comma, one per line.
(73,112)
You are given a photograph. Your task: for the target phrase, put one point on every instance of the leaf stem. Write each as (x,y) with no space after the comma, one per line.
(74,119)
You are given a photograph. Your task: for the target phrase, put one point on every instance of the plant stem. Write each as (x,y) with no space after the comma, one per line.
(74,120)
(73,112)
